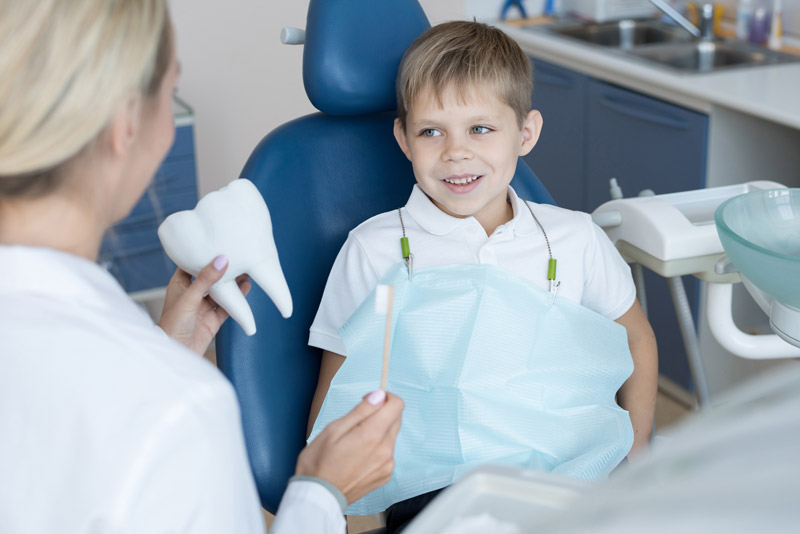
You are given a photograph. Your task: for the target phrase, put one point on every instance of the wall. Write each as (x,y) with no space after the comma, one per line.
(239,78)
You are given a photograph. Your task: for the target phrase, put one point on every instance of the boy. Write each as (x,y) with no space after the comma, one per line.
(495,359)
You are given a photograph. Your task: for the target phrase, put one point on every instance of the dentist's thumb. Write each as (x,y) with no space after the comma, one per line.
(210,275)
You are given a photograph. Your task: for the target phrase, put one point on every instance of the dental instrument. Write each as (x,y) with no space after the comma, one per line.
(384,297)
(234,221)
(675,235)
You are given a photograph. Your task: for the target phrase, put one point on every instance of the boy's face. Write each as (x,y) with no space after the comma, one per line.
(464,152)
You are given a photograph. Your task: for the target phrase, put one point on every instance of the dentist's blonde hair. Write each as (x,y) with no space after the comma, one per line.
(466,56)
(66,66)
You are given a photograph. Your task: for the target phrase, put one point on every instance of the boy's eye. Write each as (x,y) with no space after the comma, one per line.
(479,130)
(430,132)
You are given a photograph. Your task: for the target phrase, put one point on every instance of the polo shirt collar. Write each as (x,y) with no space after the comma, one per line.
(428,216)
(522,223)
(435,221)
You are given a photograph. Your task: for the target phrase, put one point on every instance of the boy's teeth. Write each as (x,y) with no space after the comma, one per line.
(460,181)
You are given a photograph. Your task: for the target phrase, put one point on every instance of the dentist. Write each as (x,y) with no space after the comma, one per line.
(107,424)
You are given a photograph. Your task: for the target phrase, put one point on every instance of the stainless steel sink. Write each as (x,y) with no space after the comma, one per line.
(622,34)
(666,45)
(709,56)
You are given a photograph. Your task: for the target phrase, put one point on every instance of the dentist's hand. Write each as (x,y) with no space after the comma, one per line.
(190,316)
(356,453)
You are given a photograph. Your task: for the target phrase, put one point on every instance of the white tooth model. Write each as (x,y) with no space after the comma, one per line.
(233,221)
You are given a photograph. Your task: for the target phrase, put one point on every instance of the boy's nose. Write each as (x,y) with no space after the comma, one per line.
(456,149)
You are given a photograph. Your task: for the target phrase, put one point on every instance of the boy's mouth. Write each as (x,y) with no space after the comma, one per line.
(462,179)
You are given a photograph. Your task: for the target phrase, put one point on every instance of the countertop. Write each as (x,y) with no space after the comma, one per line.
(769,92)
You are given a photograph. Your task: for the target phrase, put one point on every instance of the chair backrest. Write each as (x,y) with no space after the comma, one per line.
(321,175)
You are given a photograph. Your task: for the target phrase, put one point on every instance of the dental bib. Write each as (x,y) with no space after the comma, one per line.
(492,369)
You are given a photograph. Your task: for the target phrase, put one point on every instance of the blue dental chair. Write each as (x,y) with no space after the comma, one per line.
(321,175)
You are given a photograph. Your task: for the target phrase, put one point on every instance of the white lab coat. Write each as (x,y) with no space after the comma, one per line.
(109,426)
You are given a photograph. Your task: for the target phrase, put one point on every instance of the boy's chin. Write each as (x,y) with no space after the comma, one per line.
(461,211)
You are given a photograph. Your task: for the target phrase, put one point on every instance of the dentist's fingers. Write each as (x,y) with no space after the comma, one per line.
(206,278)
(356,452)
(187,316)
(368,406)
(376,473)
(187,294)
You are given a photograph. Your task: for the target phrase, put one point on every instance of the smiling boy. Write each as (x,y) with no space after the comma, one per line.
(496,362)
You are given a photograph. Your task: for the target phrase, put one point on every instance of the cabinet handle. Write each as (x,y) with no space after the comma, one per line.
(643,112)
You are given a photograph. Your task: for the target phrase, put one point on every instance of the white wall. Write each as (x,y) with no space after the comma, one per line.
(239,78)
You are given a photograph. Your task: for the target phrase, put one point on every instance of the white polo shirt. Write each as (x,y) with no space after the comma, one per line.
(590,269)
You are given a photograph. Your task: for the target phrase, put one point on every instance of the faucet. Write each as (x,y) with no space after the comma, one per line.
(706,30)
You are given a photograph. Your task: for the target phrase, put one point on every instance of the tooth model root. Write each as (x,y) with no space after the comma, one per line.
(229,296)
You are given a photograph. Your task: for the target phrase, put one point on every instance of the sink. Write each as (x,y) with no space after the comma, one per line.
(707,56)
(760,232)
(664,45)
(621,34)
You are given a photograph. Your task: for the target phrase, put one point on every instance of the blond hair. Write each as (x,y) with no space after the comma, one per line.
(65,68)
(465,55)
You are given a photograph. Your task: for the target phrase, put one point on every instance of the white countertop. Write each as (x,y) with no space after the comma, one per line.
(768,92)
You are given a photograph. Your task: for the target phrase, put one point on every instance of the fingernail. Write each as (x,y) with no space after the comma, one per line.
(220,262)
(376,397)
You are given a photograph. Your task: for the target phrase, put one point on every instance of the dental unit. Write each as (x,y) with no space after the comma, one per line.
(234,221)
(753,238)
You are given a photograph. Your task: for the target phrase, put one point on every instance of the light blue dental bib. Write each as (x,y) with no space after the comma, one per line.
(492,369)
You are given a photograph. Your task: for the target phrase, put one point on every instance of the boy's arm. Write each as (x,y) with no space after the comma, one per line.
(638,393)
(331,362)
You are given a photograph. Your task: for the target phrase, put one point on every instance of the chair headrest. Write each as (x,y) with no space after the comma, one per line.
(353,49)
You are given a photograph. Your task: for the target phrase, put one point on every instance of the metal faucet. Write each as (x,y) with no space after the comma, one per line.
(706,30)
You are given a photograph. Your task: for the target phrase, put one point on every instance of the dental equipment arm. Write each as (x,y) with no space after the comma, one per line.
(233,221)
(720,322)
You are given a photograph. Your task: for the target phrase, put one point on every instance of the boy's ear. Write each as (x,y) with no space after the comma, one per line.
(124,126)
(400,137)
(531,128)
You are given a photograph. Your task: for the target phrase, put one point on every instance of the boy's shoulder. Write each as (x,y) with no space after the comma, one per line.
(565,226)
(559,215)
(378,226)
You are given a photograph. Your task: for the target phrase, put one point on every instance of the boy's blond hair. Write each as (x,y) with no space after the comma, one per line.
(465,55)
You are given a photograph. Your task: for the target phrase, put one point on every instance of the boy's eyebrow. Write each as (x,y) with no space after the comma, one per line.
(484,118)
(425,121)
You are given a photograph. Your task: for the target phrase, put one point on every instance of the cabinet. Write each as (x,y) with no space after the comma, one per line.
(131,250)
(558,157)
(597,131)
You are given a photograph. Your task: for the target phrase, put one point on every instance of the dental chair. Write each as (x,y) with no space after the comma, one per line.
(321,175)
